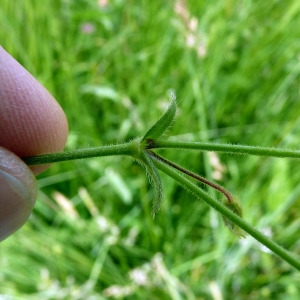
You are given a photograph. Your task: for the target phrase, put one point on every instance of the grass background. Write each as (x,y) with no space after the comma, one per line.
(235,68)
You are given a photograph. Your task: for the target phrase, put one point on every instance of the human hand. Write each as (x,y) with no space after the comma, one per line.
(31,123)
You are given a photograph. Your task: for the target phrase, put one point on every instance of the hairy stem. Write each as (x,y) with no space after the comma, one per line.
(193,175)
(119,149)
(229,148)
(195,190)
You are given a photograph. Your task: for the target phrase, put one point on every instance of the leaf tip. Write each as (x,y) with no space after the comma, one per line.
(235,206)
(163,122)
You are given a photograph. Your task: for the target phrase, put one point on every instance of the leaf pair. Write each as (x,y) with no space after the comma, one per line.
(146,159)
(155,132)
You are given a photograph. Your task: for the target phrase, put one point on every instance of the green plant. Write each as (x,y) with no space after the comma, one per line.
(141,149)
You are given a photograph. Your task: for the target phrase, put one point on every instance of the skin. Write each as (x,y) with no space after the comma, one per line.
(31,123)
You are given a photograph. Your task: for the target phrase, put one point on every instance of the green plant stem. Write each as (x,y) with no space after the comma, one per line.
(198,192)
(193,175)
(119,149)
(229,148)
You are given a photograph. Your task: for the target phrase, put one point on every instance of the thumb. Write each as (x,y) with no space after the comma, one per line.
(18,191)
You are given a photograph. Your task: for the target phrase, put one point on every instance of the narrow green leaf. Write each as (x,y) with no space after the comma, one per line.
(235,206)
(155,181)
(163,123)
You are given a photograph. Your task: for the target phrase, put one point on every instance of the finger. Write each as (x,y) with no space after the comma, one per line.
(17,193)
(31,121)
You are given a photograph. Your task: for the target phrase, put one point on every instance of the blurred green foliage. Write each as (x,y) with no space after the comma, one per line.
(235,68)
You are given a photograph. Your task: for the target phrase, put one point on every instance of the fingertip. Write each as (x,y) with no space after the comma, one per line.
(31,121)
(18,190)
